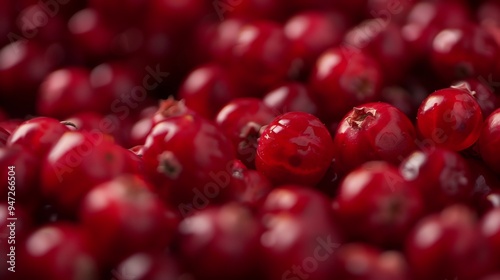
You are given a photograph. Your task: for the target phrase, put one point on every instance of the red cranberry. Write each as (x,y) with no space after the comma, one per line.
(450,118)
(485,182)
(37,135)
(459,53)
(442,176)
(301,236)
(313,32)
(291,97)
(373,131)
(294,148)
(145,266)
(224,39)
(221,243)
(11,124)
(142,126)
(490,228)
(35,23)
(483,94)
(170,108)
(78,162)
(4,135)
(254,188)
(489,13)
(241,120)
(188,159)
(342,80)
(375,203)
(207,89)
(57,251)
(489,141)
(261,57)
(124,216)
(94,122)
(448,246)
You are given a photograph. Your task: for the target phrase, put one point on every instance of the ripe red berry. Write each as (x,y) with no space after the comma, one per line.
(490,228)
(483,94)
(489,141)
(450,118)
(376,204)
(342,79)
(291,97)
(373,131)
(145,266)
(241,120)
(20,175)
(294,148)
(124,216)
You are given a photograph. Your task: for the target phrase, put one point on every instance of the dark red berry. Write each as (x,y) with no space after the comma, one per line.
(145,266)
(294,148)
(291,97)
(489,141)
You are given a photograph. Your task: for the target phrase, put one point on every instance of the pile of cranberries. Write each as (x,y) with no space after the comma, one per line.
(249,139)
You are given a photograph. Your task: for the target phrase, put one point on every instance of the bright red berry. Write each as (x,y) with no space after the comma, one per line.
(291,97)
(294,148)
(489,141)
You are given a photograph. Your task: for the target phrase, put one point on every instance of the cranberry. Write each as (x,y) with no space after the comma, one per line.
(313,32)
(170,108)
(4,135)
(261,57)
(94,122)
(251,9)
(35,23)
(450,118)
(124,216)
(485,182)
(207,89)
(221,243)
(294,148)
(225,37)
(483,94)
(144,266)
(57,251)
(341,80)
(20,174)
(490,228)
(78,162)
(448,246)
(37,135)
(301,235)
(490,139)
(373,131)
(188,159)
(291,97)
(489,13)
(173,16)
(375,203)
(241,120)
(459,53)
(254,188)
(142,126)
(442,176)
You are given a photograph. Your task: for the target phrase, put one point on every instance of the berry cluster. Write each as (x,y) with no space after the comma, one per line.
(249,139)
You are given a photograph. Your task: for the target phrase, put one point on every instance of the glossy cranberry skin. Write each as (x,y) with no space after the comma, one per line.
(241,120)
(442,176)
(145,266)
(188,159)
(170,108)
(483,93)
(207,89)
(449,245)
(373,131)
(254,188)
(291,97)
(489,140)
(490,228)
(78,162)
(175,17)
(294,148)
(24,182)
(261,57)
(230,247)
(57,251)
(313,32)
(300,233)
(342,79)
(125,216)
(224,38)
(450,118)
(364,262)
(95,122)
(37,135)
(459,53)
(4,135)
(376,204)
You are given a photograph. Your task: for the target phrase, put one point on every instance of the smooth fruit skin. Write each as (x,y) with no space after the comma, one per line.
(291,97)
(58,251)
(490,228)
(484,95)
(449,245)
(442,176)
(241,120)
(125,216)
(342,79)
(374,203)
(78,162)
(25,182)
(188,158)
(450,118)
(221,243)
(373,131)
(294,148)
(489,141)
(146,266)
